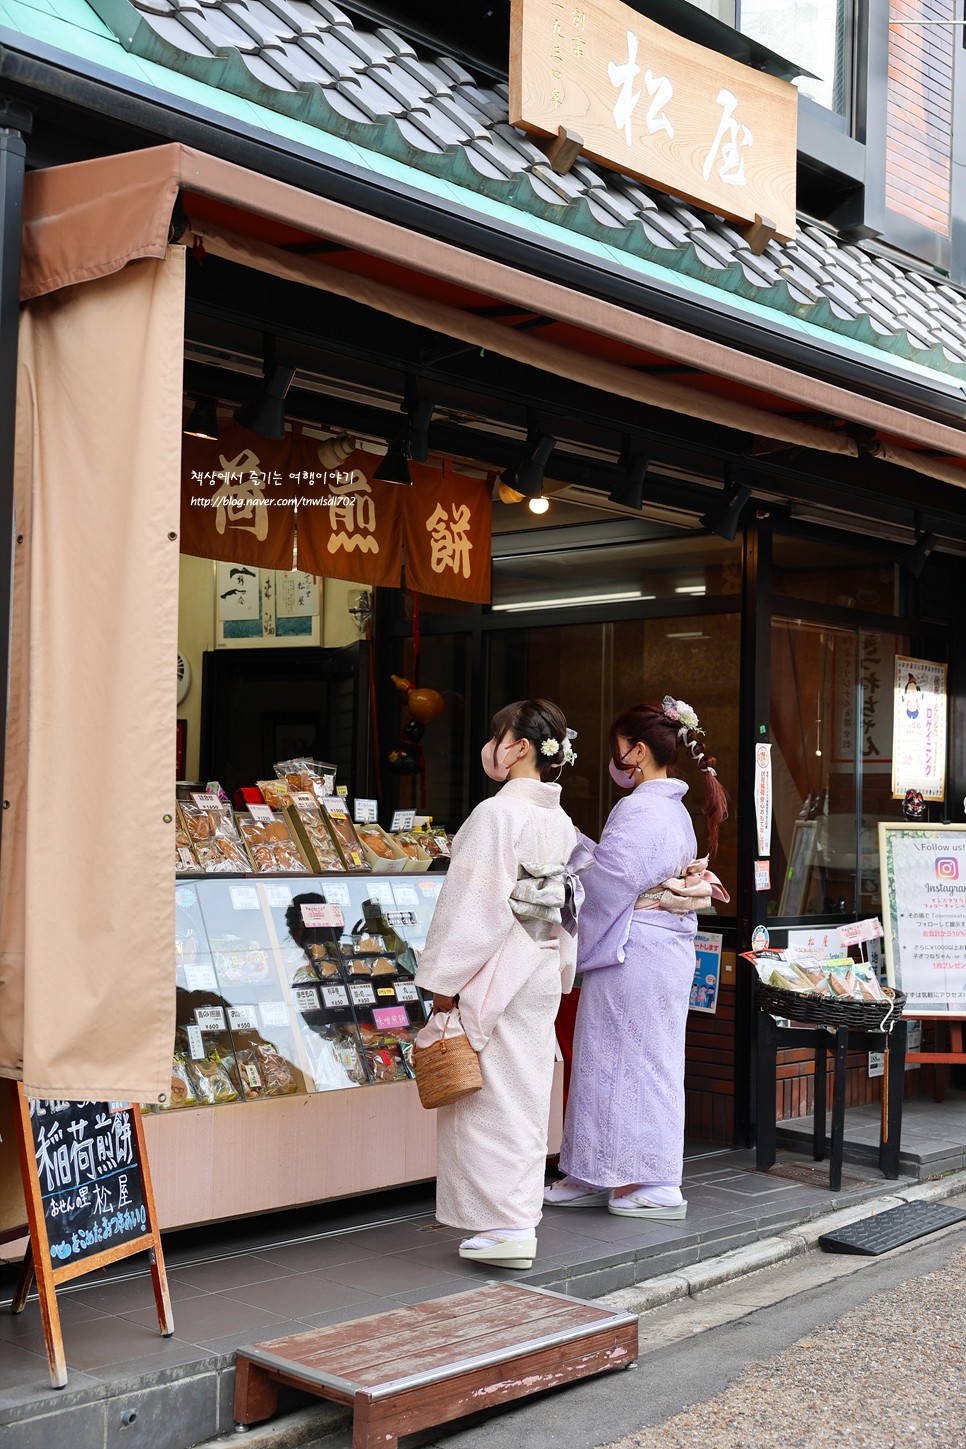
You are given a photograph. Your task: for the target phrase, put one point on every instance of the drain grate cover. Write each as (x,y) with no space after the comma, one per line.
(892,1228)
(818,1176)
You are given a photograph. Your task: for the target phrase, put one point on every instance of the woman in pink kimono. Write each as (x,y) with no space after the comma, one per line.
(623,1143)
(497,942)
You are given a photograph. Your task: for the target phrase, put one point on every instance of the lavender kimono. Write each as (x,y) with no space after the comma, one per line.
(625,1113)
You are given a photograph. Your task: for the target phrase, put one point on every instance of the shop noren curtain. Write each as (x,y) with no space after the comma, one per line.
(86,907)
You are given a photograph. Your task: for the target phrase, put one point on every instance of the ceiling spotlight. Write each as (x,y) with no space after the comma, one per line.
(913,559)
(526,476)
(411,443)
(629,492)
(509,495)
(539,505)
(722,520)
(265,412)
(333,451)
(203,422)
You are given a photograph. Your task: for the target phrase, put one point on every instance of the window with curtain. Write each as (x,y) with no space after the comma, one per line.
(816,34)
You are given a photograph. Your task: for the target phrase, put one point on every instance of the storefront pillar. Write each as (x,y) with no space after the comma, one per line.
(754,729)
(16,120)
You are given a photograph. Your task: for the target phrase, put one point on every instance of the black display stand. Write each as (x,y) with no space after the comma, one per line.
(773,1038)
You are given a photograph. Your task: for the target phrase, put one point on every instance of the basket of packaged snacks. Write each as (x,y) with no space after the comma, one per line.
(839,992)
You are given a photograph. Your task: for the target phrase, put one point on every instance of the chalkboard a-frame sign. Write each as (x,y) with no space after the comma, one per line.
(89,1202)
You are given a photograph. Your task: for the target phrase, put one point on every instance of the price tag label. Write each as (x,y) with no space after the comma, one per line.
(402,820)
(335,996)
(196,1046)
(207,802)
(362,993)
(273,1013)
(315,915)
(406,991)
(242,1018)
(381,892)
(385,991)
(366,812)
(210,1018)
(405,896)
(306,998)
(336,805)
(261,812)
(278,895)
(342,790)
(336,892)
(200,978)
(401,918)
(243,898)
(304,800)
(388,1017)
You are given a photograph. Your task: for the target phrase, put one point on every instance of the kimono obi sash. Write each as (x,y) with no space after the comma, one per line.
(546,895)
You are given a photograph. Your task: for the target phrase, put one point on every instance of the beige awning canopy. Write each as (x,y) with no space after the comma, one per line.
(88,219)
(86,915)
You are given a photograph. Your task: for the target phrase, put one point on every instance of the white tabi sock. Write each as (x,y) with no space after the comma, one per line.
(486,1240)
(658,1194)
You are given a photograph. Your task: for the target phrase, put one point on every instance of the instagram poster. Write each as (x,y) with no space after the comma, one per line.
(919,729)
(924,891)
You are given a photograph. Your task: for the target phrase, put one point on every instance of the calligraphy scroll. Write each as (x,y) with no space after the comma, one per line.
(350,527)
(238,499)
(446,534)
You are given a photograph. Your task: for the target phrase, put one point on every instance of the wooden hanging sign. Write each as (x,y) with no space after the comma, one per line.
(89,1203)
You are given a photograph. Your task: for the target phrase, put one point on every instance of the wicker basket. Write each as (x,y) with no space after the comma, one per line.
(446,1071)
(819,1010)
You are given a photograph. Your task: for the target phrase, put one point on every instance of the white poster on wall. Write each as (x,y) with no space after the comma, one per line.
(919,728)
(763,798)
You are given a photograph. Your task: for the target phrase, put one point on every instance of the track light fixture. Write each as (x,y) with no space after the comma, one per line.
(722,520)
(203,422)
(411,443)
(526,476)
(629,492)
(914,559)
(265,412)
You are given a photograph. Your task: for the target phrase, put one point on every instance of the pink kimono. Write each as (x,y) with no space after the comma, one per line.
(492,1147)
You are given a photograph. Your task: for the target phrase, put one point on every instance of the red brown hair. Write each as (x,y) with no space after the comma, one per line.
(647,724)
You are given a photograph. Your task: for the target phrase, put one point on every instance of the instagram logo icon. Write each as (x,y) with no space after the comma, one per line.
(947,867)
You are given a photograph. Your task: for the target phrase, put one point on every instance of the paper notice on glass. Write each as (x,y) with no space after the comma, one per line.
(200,978)
(273,1013)
(707,972)
(763,798)
(316,915)
(762,875)
(919,729)
(924,908)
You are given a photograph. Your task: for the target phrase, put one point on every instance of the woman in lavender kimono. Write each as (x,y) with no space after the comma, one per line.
(623,1143)
(498,943)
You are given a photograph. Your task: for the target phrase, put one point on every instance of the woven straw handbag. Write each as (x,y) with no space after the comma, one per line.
(446,1071)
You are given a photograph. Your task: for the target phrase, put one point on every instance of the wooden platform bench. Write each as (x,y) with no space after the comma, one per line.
(420,1366)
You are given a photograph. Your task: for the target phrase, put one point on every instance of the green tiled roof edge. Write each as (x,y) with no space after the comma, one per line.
(224,85)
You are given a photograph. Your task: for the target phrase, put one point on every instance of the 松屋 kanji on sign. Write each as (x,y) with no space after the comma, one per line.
(652,105)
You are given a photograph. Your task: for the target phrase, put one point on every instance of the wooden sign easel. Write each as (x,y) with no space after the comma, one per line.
(89,1200)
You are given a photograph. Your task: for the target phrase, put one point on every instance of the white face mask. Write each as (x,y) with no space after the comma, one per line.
(626,779)
(494,760)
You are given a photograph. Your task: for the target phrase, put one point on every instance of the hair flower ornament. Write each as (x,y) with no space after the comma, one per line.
(569,755)
(550,748)
(681,713)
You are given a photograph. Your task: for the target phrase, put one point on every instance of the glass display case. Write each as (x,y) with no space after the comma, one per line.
(296,985)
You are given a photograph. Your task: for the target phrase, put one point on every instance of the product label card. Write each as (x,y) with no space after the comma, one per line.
(195,1044)
(381,891)
(335,996)
(200,978)
(210,1018)
(207,802)
(388,1017)
(342,790)
(335,892)
(315,915)
(273,1013)
(336,805)
(406,991)
(306,998)
(242,1018)
(279,896)
(406,896)
(362,994)
(402,820)
(385,991)
(401,918)
(304,800)
(243,898)
(261,812)
(366,811)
